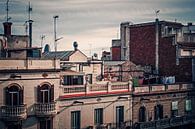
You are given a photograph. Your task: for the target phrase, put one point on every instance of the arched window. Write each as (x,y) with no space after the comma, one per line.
(45,93)
(158,112)
(13,95)
(142,114)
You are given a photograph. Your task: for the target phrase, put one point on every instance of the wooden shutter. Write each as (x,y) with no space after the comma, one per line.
(52,93)
(39,94)
(7,97)
(21,96)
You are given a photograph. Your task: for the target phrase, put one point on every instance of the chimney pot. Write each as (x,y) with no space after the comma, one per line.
(7,28)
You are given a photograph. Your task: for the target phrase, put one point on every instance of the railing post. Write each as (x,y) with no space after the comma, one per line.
(87,88)
(109,84)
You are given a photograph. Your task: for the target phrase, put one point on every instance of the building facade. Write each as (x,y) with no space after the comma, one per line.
(159,44)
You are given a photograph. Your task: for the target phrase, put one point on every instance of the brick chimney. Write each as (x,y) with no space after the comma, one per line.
(7,28)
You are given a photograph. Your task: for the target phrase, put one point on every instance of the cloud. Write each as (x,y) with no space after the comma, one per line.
(91,21)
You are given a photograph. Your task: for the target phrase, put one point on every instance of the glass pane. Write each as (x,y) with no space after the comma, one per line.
(75,120)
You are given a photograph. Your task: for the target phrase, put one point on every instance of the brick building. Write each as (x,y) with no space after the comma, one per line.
(116,50)
(159,44)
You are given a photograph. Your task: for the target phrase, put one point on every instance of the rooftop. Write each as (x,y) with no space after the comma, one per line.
(62,55)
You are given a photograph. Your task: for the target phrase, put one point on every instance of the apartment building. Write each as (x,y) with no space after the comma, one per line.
(163,45)
(56,92)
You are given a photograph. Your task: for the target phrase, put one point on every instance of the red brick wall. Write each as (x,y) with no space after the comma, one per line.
(167,62)
(142,52)
(142,45)
(116,53)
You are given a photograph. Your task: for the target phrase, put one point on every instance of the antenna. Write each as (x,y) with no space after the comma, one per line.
(157,13)
(7,10)
(30,24)
(42,38)
(29,11)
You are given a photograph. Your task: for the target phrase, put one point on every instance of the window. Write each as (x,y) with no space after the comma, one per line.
(73,80)
(119,115)
(174,109)
(75,119)
(142,114)
(14,95)
(98,116)
(158,112)
(46,124)
(80,68)
(188,106)
(45,93)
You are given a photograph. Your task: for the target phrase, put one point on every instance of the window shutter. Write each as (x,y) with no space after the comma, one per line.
(38,93)
(21,96)
(7,97)
(52,93)
(161,111)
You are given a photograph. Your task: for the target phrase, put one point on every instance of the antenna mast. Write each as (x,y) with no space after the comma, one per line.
(30,24)
(42,38)
(7,10)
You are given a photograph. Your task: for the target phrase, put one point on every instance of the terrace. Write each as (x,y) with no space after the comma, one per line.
(105,88)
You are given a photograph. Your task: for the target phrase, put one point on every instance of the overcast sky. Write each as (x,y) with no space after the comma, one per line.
(92,23)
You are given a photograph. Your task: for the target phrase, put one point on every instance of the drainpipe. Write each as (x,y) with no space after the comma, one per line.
(157,46)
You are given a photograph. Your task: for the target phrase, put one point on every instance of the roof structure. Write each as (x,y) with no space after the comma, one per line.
(62,55)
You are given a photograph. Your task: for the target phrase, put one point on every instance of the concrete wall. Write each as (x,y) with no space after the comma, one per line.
(108,103)
(78,56)
(15,42)
(8,64)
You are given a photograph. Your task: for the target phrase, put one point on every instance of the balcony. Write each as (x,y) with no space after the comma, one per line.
(13,113)
(95,89)
(102,88)
(166,122)
(45,109)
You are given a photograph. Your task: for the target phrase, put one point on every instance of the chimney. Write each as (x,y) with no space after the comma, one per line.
(30,33)
(7,28)
(75,45)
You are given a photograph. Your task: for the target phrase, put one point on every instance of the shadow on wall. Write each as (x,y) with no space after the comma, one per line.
(30,122)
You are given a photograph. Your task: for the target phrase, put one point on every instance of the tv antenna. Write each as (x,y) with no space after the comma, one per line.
(157,13)
(42,38)
(7,10)
(29,11)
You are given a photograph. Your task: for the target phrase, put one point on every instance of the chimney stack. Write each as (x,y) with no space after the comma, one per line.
(7,28)
(30,33)
(75,45)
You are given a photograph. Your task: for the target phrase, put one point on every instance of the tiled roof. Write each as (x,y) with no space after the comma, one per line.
(62,55)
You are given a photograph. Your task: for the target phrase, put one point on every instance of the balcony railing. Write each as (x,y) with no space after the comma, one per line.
(13,113)
(165,123)
(122,87)
(45,109)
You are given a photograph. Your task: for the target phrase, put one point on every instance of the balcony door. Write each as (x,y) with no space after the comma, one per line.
(45,94)
(14,96)
(158,112)
(119,115)
(142,114)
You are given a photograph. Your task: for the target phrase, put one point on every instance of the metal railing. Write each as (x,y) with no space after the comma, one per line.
(44,109)
(165,123)
(74,89)
(13,112)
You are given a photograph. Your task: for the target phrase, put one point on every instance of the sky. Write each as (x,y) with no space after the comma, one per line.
(92,23)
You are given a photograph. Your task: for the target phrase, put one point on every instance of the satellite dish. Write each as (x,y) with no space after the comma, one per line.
(95,55)
(47,48)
